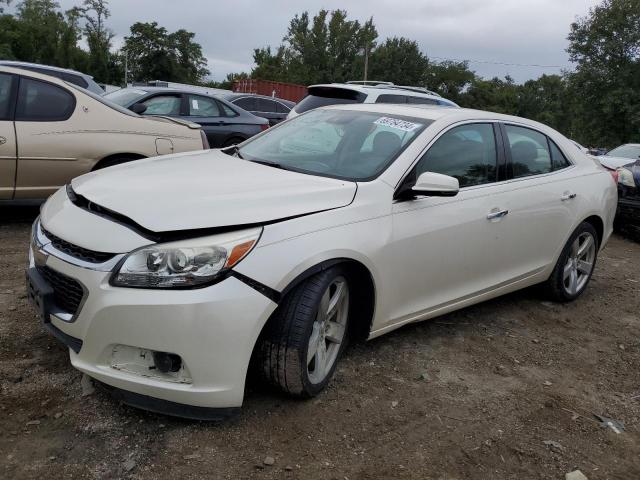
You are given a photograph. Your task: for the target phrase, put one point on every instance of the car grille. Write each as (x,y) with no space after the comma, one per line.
(67,293)
(80,253)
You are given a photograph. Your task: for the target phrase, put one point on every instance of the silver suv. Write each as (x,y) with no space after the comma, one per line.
(366,92)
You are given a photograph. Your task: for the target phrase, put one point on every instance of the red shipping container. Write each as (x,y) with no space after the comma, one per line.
(286,91)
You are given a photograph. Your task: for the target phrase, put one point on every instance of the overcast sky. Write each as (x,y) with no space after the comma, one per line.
(508,31)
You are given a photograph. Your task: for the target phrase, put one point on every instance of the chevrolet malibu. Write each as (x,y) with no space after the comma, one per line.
(168,278)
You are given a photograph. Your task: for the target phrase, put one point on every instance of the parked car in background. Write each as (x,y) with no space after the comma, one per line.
(52,131)
(620,156)
(273,109)
(346,222)
(366,92)
(77,78)
(224,124)
(628,214)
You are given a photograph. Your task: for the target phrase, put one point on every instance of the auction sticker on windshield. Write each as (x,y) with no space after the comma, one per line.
(397,123)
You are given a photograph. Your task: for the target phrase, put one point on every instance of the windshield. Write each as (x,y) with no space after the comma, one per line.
(335,143)
(103,100)
(126,96)
(626,151)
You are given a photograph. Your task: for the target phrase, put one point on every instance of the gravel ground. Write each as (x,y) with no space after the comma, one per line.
(470,395)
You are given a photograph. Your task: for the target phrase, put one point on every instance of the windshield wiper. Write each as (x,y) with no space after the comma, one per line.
(270,164)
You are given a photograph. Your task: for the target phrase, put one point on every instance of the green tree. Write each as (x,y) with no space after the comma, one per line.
(449,79)
(398,60)
(605,87)
(155,54)
(95,14)
(545,100)
(495,95)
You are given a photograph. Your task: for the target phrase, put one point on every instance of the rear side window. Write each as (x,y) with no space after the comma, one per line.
(282,108)
(228,111)
(422,101)
(323,96)
(6,85)
(203,107)
(163,105)
(467,152)
(247,103)
(558,160)
(386,98)
(40,101)
(68,77)
(530,153)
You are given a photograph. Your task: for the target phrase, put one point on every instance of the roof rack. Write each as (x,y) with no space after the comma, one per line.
(377,83)
(368,82)
(415,89)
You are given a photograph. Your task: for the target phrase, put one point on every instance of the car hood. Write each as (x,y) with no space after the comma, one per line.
(206,190)
(613,163)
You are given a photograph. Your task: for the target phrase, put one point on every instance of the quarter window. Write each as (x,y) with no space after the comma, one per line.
(6,82)
(163,105)
(203,107)
(40,101)
(558,160)
(467,152)
(282,108)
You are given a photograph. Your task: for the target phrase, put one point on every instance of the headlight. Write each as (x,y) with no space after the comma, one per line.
(625,177)
(184,264)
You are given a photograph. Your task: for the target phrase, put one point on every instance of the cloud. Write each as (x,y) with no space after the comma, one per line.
(507,31)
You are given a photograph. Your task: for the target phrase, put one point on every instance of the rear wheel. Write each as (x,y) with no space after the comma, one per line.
(575,265)
(304,340)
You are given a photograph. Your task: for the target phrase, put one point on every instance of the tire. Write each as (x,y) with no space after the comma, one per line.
(290,352)
(575,266)
(112,162)
(232,141)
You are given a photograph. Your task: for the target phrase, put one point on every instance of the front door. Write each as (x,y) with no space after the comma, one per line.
(446,249)
(8,147)
(46,160)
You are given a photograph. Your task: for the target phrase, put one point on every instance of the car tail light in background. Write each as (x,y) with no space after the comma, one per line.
(264,126)
(205,142)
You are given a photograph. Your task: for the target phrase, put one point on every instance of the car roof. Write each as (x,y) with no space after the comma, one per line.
(16,64)
(435,112)
(386,88)
(234,95)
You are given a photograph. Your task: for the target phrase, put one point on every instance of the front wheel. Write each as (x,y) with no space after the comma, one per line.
(575,265)
(304,340)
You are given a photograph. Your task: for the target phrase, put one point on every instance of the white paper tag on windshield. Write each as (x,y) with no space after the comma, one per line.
(194,104)
(397,123)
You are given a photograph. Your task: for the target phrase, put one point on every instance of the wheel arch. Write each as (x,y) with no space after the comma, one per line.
(598,224)
(125,155)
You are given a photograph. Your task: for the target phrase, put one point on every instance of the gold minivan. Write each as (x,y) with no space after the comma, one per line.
(52,131)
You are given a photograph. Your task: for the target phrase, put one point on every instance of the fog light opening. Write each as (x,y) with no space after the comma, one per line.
(167,362)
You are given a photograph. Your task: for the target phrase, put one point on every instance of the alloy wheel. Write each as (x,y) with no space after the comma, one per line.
(579,264)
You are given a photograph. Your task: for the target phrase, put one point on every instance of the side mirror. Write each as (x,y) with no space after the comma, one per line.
(436,185)
(138,108)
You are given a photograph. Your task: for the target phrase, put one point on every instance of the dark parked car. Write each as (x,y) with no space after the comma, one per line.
(273,109)
(224,124)
(628,214)
(77,78)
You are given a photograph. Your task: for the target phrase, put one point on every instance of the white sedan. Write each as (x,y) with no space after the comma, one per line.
(166,277)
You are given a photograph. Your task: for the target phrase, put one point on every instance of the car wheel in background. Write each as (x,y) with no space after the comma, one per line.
(232,141)
(304,339)
(574,268)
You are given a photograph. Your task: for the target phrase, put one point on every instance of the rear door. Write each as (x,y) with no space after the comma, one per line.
(268,109)
(8,147)
(45,159)
(540,198)
(207,112)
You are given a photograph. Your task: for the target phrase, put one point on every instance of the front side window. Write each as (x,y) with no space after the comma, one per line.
(6,84)
(265,105)
(247,103)
(40,101)
(163,105)
(529,151)
(336,143)
(467,152)
(200,106)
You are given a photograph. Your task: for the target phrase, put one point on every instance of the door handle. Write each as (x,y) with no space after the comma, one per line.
(499,214)
(567,196)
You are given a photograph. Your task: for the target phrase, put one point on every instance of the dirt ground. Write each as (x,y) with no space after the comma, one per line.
(470,395)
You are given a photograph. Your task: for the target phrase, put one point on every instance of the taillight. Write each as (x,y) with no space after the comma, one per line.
(205,141)
(264,126)
(614,174)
